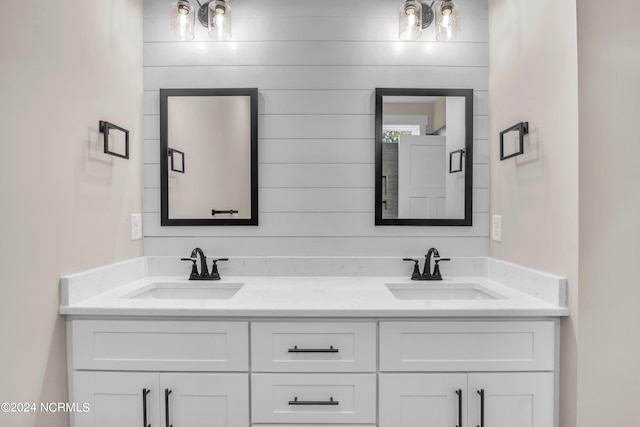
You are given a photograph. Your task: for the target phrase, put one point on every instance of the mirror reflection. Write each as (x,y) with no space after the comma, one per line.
(208,147)
(423,156)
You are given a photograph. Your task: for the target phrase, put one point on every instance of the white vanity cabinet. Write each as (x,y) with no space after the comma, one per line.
(261,372)
(159,372)
(460,373)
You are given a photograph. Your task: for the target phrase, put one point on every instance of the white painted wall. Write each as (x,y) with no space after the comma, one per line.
(316,65)
(66,206)
(608,338)
(534,77)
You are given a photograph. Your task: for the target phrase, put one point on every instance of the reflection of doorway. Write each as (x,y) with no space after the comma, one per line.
(421,176)
(390,135)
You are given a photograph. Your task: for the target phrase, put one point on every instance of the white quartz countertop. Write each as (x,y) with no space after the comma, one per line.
(291,296)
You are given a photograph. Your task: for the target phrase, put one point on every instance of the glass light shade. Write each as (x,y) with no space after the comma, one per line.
(410,21)
(183,18)
(447,21)
(219,20)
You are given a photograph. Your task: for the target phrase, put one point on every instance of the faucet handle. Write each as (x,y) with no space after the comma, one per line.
(436,269)
(194,266)
(214,265)
(416,268)
(215,275)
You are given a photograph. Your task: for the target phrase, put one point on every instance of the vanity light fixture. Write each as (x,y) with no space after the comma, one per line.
(415,17)
(213,14)
(219,20)
(410,20)
(183,18)
(447,21)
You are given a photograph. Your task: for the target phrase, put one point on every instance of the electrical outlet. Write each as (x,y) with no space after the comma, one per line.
(136,226)
(496,228)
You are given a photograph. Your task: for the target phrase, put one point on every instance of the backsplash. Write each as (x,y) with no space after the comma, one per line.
(316,66)
(319,266)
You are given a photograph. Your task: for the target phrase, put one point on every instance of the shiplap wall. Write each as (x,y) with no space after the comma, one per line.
(316,65)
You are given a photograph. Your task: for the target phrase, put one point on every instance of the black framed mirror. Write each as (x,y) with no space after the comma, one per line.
(214,180)
(418,133)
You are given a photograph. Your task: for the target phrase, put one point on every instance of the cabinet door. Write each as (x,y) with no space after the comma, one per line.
(115,399)
(518,399)
(205,400)
(418,400)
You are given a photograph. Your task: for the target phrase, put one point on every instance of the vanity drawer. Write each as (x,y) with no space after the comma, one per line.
(467,346)
(313,347)
(157,345)
(313,398)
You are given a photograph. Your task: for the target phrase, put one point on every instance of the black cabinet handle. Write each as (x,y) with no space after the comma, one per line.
(167,392)
(329,402)
(459,393)
(295,349)
(481,393)
(144,407)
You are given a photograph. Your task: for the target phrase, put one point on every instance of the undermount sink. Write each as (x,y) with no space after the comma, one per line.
(190,290)
(441,291)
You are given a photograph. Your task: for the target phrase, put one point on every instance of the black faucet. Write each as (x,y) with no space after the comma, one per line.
(204,275)
(426,271)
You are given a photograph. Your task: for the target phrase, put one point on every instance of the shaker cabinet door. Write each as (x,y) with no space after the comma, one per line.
(123,399)
(511,399)
(204,400)
(418,400)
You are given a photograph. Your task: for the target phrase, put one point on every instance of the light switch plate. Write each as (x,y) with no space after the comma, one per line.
(136,226)
(496,228)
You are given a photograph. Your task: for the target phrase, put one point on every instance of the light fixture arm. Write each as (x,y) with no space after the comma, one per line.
(203,13)
(427,14)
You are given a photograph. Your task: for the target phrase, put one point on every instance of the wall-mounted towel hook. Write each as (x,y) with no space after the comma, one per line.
(456,157)
(104,129)
(176,155)
(523,129)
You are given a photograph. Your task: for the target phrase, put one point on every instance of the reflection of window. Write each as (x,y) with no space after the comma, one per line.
(391,133)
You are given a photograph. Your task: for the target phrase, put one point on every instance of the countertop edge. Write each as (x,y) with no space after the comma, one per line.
(107,292)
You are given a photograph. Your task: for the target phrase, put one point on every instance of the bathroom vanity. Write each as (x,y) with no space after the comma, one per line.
(152,349)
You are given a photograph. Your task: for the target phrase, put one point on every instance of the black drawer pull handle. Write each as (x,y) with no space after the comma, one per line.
(167,392)
(459,393)
(295,349)
(481,393)
(144,407)
(329,402)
